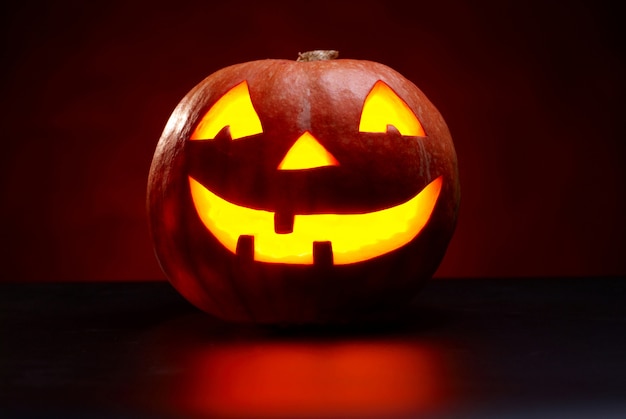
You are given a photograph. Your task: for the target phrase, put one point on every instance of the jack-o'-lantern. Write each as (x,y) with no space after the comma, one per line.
(315,190)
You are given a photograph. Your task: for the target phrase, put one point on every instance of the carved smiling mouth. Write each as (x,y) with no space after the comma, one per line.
(338,239)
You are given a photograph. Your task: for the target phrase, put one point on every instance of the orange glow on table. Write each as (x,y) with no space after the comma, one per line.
(285,380)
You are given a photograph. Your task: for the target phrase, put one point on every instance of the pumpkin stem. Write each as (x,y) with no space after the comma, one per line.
(317,55)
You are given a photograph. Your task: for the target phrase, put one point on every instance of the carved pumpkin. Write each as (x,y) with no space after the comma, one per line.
(302,191)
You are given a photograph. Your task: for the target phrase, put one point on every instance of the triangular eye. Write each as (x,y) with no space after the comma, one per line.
(384,107)
(233,110)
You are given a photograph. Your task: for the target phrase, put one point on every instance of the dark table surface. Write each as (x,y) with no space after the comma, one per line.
(466,348)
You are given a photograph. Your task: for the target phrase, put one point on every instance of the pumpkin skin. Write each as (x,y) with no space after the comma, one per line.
(367,172)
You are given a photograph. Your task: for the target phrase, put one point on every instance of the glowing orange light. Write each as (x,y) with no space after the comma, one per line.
(354,237)
(356,380)
(384,107)
(234,110)
(307,153)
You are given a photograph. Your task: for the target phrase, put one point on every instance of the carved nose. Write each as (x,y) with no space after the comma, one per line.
(307,153)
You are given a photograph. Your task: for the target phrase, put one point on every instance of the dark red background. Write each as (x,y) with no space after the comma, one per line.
(533,93)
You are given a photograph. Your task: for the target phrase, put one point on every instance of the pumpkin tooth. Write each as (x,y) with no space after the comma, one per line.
(283,222)
(323,253)
(245,248)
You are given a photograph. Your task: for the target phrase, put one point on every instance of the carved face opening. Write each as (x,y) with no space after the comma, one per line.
(267,234)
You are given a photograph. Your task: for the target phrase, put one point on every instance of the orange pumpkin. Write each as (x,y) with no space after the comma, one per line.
(302,191)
